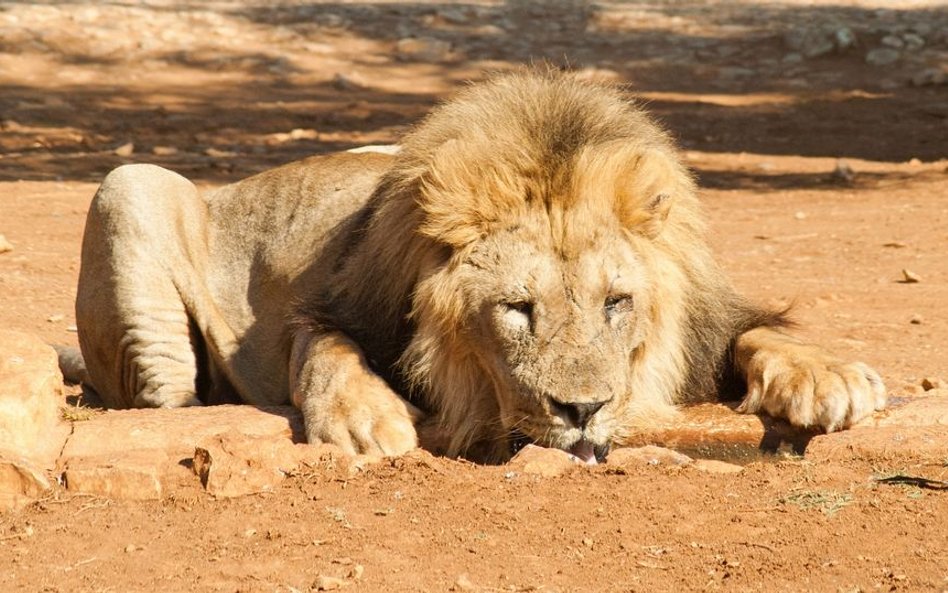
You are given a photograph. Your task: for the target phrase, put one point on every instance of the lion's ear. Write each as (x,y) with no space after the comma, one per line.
(646,191)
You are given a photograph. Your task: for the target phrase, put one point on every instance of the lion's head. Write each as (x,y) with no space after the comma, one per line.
(549,303)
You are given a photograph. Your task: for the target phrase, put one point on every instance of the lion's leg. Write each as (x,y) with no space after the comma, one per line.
(343,401)
(803,383)
(133,327)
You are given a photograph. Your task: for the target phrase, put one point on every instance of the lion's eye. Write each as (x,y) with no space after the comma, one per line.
(524,307)
(519,313)
(617,304)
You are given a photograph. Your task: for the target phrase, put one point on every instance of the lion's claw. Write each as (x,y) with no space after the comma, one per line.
(810,388)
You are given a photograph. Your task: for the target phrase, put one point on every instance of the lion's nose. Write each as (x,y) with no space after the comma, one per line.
(578,413)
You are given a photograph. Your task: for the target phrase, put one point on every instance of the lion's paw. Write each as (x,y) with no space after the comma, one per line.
(367,419)
(810,388)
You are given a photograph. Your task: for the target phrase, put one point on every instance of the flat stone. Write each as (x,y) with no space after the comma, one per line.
(713,466)
(136,475)
(142,454)
(928,410)
(234,464)
(21,481)
(31,393)
(886,443)
(882,56)
(542,461)
(717,430)
(647,455)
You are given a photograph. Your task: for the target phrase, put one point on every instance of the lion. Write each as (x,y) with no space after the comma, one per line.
(530,266)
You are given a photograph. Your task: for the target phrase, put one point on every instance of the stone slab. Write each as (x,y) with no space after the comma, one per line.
(910,429)
(144,454)
(31,393)
(21,481)
(900,444)
(541,461)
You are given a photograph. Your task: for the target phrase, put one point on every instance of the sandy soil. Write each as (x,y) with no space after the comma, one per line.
(221,89)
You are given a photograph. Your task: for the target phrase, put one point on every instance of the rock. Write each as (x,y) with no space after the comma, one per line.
(843,172)
(916,319)
(463,583)
(792,58)
(910,277)
(233,464)
(891,444)
(542,461)
(126,149)
(811,42)
(30,395)
(844,38)
(164,151)
(135,475)
(911,430)
(882,56)
(929,383)
(713,466)
(344,82)
(422,49)
(328,583)
(913,41)
(141,454)
(926,77)
(5,245)
(21,481)
(716,428)
(647,455)
(462,15)
(893,41)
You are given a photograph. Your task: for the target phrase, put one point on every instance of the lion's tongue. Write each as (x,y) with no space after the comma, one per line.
(584,450)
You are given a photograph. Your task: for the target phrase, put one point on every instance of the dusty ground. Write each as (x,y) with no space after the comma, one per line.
(763,110)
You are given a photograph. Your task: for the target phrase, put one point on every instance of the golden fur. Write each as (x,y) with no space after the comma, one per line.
(531,266)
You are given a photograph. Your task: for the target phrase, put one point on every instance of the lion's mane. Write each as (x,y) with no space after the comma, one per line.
(526,135)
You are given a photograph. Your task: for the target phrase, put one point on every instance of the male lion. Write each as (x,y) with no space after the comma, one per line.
(531,266)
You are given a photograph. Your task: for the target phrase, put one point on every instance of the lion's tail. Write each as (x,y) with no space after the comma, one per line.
(72,365)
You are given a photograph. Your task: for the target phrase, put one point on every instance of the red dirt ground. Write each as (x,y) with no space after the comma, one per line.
(215,91)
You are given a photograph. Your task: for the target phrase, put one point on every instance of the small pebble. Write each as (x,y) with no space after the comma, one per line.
(463,583)
(910,277)
(800,215)
(55,318)
(929,383)
(882,56)
(5,245)
(916,319)
(895,244)
(843,172)
(130,548)
(126,149)
(164,150)
(327,583)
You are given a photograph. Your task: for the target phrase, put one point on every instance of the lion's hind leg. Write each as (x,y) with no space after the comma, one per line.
(135,333)
(803,383)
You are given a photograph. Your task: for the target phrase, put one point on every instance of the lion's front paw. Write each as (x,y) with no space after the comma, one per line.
(811,388)
(366,418)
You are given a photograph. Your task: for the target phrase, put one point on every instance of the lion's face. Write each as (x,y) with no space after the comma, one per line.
(554,328)
(549,306)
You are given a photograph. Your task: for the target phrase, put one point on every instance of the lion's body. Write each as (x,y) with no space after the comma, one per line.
(244,255)
(468,274)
